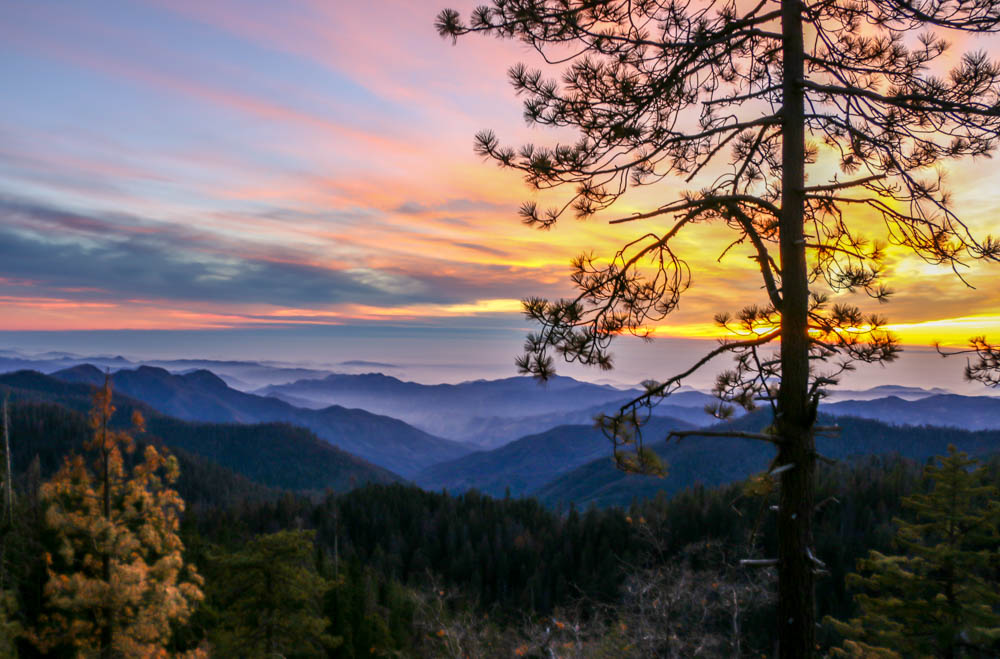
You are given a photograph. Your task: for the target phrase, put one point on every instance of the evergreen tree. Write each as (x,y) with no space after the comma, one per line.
(828,88)
(272,598)
(10,628)
(116,575)
(935,599)
(372,614)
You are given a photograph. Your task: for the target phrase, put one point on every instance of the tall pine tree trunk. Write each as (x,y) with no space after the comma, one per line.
(796,614)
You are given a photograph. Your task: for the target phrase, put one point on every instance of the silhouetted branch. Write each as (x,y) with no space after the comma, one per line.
(681,434)
(987,367)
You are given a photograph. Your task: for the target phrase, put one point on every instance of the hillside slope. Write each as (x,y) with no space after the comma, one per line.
(43,434)
(528,463)
(948,410)
(202,396)
(274,454)
(717,461)
(452,410)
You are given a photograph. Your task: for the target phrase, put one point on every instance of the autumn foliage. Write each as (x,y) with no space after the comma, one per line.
(116,576)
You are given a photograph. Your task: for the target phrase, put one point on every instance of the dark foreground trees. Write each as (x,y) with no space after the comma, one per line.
(272,599)
(665,572)
(747,98)
(939,597)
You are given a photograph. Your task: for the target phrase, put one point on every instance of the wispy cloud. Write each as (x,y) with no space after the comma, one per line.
(119,256)
(190,164)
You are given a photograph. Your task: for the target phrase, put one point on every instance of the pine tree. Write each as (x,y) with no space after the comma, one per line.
(272,598)
(935,599)
(10,627)
(116,576)
(803,122)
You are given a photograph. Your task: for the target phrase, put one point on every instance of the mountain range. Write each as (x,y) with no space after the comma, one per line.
(486,413)
(713,461)
(49,419)
(243,375)
(949,410)
(517,437)
(882,391)
(202,396)
(522,466)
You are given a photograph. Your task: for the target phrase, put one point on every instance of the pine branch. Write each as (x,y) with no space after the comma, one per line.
(763,437)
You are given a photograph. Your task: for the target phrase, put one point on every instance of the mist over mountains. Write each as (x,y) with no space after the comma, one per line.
(202,396)
(243,375)
(308,429)
(487,413)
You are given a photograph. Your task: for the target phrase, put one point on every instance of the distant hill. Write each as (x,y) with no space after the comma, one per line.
(244,375)
(484,413)
(11,361)
(716,461)
(480,412)
(47,432)
(951,410)
(202,396)
(493,432)
(528,463)
(517,396)
(274,454)
(883,391)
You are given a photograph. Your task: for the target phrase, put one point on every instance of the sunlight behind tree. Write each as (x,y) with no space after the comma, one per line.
(745,98)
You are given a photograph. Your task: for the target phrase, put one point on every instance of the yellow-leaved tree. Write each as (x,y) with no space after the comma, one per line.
(116,575)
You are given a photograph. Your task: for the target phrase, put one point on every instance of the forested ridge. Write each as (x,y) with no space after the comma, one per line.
(276,454)
(389,568)
(202,397)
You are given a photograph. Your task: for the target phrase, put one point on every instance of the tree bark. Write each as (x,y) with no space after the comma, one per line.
(795,414)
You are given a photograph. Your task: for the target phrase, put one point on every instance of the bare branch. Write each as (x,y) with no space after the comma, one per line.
(681,434)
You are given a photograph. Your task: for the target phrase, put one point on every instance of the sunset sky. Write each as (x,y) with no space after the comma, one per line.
(245,166)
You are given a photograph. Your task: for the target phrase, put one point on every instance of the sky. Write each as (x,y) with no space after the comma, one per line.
(296,180)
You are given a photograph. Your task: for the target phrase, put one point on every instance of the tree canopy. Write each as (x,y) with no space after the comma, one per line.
(273,599)
(938,598)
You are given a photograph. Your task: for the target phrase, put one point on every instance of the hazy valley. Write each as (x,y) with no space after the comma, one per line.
(512,435)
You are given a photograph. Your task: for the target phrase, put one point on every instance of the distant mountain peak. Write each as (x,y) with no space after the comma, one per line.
(206,378)
(84,373)
(151,371)
(335,378)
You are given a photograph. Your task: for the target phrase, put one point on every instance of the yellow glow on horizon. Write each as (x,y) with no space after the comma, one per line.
(947,331)
(500,305)
(415,311)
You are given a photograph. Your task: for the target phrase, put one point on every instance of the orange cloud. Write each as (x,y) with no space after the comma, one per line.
(397,197)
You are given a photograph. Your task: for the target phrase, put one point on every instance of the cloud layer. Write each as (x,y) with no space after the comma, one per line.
(186,164)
